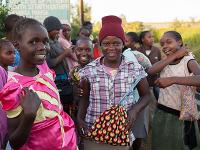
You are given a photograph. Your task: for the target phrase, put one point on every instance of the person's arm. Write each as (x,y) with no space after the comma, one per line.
(159,66)
(53,62)
(159,54)
(193,67)
(144,93)
(84,103)
(19,128)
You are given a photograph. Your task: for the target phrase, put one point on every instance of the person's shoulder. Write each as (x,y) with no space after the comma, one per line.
(155,48)
(2,70)
(188,57)
(136,52)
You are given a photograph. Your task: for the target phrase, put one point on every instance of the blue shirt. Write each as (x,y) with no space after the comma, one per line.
(17,58)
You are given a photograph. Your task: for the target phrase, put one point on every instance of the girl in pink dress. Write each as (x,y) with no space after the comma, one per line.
(65,41)
(36,120)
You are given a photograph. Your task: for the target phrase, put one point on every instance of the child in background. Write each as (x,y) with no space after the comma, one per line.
(175,72)
(7,58)
(141,126)
(9,23)
(83,32)
(83,52)
(153,53)
(65,41)
(57,60)
(36,119)
(131,40)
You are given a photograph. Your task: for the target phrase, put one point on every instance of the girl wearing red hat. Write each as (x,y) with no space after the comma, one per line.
(108,107)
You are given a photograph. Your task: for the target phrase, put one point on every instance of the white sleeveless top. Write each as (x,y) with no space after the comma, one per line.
(171,96)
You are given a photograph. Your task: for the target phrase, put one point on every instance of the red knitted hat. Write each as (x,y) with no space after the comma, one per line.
(111,26)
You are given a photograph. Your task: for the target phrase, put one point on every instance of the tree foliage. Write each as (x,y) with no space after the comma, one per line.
(3,13)
(75,17)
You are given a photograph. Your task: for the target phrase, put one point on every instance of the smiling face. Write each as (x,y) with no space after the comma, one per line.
(33,45)
(169,44)
(83,51)
(7,54)
(112,48)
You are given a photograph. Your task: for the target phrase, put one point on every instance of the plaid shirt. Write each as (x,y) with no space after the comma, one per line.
(106,91)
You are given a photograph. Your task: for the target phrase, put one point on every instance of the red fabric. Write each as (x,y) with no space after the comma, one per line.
(111,26)
(96,53)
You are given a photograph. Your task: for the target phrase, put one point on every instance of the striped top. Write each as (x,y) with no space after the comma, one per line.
(51,122)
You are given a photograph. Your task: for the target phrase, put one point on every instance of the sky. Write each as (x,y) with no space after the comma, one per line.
(145,10)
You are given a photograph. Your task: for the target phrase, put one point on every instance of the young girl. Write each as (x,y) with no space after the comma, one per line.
(146,40)
(83,50)
(7,58)
(65,41)
(106,80)
(175,70)
(37,121)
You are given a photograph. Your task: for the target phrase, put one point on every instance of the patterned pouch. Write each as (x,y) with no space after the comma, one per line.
(189,110)
(110,126)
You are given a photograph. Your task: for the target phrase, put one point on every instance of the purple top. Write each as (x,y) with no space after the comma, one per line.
(3,122)
(3,77)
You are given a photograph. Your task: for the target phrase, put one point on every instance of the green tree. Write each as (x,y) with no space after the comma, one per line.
(76,20)
(3,13)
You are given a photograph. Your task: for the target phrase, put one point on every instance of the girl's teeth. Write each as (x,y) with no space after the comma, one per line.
(41,56)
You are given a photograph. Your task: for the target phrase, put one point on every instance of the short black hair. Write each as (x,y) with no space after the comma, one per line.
(84,39)
(134,37)
(3,43)
(86,23)
(142,35)
(82,28)
(22,25)
(177,36)
(10,21)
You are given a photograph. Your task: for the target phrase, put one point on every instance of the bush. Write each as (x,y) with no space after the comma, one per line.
(3,13)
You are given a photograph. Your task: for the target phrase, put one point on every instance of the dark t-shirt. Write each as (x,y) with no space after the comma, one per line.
(55,50)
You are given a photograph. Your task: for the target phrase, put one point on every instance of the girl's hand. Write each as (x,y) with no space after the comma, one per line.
(132,115)
(181,52)
(30,102)
(164,82)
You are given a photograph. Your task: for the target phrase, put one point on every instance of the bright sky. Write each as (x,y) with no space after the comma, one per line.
(145,10)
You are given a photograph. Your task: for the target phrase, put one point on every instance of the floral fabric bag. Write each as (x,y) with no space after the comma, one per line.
(110,126)
(189,109)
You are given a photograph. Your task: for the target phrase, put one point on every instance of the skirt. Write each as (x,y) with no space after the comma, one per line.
(167,132)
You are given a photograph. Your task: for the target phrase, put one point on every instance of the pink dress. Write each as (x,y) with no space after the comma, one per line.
(52,128)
